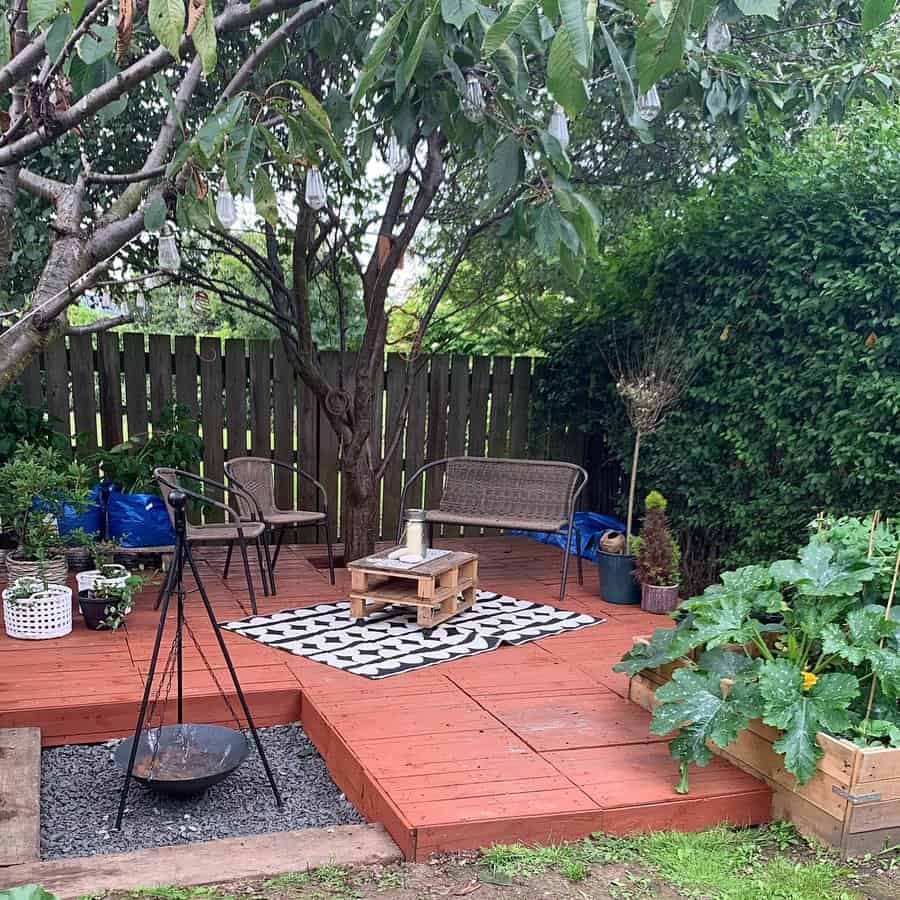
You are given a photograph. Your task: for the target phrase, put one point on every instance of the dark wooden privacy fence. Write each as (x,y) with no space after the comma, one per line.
(245,398)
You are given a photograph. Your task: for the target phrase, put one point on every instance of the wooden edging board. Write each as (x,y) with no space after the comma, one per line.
(852,802)
(209,862)
(20,795)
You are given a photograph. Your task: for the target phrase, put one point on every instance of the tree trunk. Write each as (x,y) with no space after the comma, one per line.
(360,526)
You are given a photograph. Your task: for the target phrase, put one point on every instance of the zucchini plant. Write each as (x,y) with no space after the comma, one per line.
(807,645)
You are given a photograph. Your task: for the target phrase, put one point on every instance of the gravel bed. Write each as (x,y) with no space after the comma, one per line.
(81,784)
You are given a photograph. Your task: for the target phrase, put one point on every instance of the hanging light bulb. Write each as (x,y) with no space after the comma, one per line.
(397,157)
(225,207)
(168,259)
(649,105)
(559,126)
(718,36)
(315,188)
(473,102)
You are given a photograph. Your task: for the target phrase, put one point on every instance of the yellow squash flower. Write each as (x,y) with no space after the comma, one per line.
(809,680)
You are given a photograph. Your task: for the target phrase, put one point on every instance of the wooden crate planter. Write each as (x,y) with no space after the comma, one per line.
(852,803)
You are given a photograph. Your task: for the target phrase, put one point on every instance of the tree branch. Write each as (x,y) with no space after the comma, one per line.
(100,324)
(46,188)
(235,17)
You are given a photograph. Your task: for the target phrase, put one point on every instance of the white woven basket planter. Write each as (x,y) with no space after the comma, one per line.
(85,580)
(46,614)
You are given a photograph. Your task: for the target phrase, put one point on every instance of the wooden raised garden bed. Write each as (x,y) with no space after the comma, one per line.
(852,803)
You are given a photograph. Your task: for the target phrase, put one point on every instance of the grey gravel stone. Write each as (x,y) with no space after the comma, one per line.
(81,784)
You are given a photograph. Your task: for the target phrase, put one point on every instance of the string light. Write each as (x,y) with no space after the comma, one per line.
(473,102)
(225,206)
(397,156)
(649,105)
(559,126)
(168,258)
(315,188)
(718,36)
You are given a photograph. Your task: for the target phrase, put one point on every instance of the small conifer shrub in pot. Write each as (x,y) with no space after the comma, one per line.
(658,558)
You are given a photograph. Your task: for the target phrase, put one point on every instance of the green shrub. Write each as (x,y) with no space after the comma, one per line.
(783,282)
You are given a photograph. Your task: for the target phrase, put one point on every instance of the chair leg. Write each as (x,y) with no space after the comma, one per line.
(330,553)
(278,547)
(243,547)
(228,559)
(269,562)
(565,568)
(578,556)
(262,568)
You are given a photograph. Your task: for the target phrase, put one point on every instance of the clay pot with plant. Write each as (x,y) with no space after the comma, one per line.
(658,558)
(38,486)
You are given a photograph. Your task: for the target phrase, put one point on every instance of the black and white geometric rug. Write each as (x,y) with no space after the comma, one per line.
(389,641)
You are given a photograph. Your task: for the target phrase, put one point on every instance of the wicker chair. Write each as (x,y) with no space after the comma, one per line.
(239,528)
(523,494)
(255,475)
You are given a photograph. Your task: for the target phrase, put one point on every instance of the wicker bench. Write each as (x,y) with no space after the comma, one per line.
(522,494)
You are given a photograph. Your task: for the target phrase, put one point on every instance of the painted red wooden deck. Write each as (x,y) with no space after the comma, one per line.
(531,743)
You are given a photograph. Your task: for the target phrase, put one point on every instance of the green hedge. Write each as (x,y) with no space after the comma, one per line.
(784,280)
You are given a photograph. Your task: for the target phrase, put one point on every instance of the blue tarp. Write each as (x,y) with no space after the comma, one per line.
(138,520)
(588,524)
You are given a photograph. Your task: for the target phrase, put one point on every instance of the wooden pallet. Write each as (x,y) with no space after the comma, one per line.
(20,795)
(439,589)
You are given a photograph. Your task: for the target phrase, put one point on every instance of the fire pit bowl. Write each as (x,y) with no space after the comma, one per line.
(184,759)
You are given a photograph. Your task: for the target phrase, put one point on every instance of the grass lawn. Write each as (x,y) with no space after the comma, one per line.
(720,864)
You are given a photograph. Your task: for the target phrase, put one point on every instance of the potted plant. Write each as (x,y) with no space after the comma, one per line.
(658,558)
(37,488)
(649,373)
(35,610)
(102,553)
(108,600)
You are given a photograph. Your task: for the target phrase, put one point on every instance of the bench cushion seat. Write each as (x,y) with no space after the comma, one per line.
(449,518)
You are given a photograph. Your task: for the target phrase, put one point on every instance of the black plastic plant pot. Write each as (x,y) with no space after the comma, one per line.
(93,609)
(617,582)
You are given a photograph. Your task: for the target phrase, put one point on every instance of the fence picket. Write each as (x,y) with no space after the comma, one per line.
(458,406)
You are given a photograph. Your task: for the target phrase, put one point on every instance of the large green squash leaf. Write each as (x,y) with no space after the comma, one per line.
(665,646)
(819,574)
(801,714)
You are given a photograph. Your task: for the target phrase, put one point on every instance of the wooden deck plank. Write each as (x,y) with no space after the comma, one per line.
(20,795)
(531,743)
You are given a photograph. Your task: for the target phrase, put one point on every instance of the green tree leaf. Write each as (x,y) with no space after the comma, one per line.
(264,197)
(376,56)
(875,13)
(98,44)
(411,61)
(205,40)
(166,19)
(155,213)
(759,7)
(455,12)
(40,11)
(660,42)
(565,79)
(506,166)
(57,35)
(505,25)
(575,23)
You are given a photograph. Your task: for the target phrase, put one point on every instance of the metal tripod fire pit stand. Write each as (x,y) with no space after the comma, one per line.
(184,758)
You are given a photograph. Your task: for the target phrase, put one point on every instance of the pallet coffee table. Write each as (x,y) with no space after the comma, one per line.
(439,588)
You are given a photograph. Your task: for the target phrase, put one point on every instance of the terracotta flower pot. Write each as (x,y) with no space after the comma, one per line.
(659,599)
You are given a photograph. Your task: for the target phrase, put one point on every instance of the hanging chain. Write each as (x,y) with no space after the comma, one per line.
(212,672)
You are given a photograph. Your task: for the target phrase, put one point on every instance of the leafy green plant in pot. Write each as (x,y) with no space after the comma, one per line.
(658,558)
(106,603)
(102,553)
(37,487)
(649,371)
